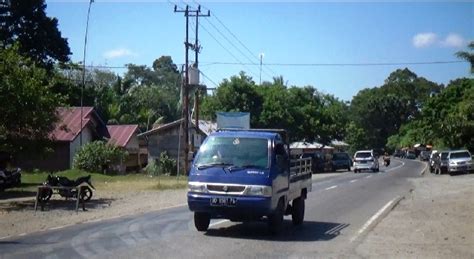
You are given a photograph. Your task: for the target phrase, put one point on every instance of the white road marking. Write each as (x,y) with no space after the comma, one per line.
(332,187)
(368,176)
(373,218)
(57,228)
(396,167)
(353,181)
(4,237)
(218,222)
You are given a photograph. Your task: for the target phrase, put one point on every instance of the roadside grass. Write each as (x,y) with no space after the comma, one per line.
(124,183)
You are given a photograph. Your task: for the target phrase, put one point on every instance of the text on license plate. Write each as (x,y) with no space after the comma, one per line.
(223,201)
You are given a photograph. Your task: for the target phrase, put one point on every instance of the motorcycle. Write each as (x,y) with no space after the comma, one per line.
(61,181)
(386,161)
(9,178)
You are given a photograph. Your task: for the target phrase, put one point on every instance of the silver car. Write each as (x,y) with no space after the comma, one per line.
(365,160)
(460,161)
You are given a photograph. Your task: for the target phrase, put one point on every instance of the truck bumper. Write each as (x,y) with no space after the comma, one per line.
(245,208)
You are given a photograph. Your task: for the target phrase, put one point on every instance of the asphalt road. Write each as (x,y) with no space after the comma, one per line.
(338,213)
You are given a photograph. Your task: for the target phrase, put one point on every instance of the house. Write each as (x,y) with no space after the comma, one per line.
(67,135)
(170,138)
(126,138)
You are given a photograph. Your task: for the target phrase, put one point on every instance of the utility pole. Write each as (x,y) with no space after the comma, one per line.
(261,59)
(84,71)
(187,13)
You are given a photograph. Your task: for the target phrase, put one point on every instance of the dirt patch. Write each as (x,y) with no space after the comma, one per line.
(435,221)
(18,215)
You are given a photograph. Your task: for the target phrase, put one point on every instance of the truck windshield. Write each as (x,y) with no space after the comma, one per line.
(233,151)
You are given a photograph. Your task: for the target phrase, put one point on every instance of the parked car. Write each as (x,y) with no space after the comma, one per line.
(317,161)
(410,154)
(460,161)
(341,160)
(441,163)
(365,160)
(425,155)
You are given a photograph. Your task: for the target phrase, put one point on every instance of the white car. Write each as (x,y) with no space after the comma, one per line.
(460,161)
(365,160)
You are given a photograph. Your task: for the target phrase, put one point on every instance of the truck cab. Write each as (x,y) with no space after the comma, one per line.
(245,175)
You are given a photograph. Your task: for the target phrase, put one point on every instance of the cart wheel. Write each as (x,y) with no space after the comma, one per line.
(86,194)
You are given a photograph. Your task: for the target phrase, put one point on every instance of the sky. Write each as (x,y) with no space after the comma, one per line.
(339,48)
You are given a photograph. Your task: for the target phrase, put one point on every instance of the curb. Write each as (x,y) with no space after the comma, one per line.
(379,216)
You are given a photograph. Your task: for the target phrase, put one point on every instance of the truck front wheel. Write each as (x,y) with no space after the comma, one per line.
(201,221)
(297,213)
(275,220)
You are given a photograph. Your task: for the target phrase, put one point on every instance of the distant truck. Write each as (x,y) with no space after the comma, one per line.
(246,175)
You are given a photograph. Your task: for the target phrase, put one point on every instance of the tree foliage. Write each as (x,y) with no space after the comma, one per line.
(468,56)
(25,22)
(303,111)
(380,112)
(27,103)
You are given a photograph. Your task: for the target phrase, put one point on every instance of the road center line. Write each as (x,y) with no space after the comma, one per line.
(373,218)
(332,187)
(353,181)
(368,176)
(396,167)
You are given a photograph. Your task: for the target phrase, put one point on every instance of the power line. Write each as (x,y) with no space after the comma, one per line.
(238,60)
(233,45)
(216,85)
(238,40)
(339,64)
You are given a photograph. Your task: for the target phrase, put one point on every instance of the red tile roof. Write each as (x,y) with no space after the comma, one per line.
(69,124)
(120,134)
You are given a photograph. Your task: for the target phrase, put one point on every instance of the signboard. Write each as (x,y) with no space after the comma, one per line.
(233,120)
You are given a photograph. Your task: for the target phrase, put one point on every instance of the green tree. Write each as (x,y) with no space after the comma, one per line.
(28,103)
(25,22)
(468,56)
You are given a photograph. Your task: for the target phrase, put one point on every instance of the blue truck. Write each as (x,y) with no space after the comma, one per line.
(246,175)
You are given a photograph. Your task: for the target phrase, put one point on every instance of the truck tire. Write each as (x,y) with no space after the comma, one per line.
(297,213)
(275,220)
(201,221)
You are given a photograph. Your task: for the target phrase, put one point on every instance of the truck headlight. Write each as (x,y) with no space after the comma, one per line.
(197,187)
(259,190)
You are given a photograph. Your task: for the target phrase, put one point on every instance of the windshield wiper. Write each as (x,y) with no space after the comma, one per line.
(234,167)
(204,166)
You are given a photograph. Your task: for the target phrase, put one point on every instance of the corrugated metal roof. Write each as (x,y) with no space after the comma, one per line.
(69,125)
(120,135)
(207,127)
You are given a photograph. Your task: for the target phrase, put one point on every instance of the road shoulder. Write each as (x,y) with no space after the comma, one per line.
(436,220)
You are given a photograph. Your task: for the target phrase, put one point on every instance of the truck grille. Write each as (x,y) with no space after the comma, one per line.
(225,188)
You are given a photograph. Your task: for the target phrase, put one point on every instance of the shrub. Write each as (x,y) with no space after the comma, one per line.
(97,156)
(152,168)
(167,164)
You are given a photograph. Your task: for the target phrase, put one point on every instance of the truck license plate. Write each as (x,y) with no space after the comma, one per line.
(223,201)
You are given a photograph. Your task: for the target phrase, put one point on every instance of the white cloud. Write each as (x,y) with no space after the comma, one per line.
(118,53)
(425,39)
(453,40)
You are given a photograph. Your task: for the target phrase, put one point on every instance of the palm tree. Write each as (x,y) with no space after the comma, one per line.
(468,56)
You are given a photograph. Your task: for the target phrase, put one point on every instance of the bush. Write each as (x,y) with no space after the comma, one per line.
(167,164)
(152,168)
(97,156)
